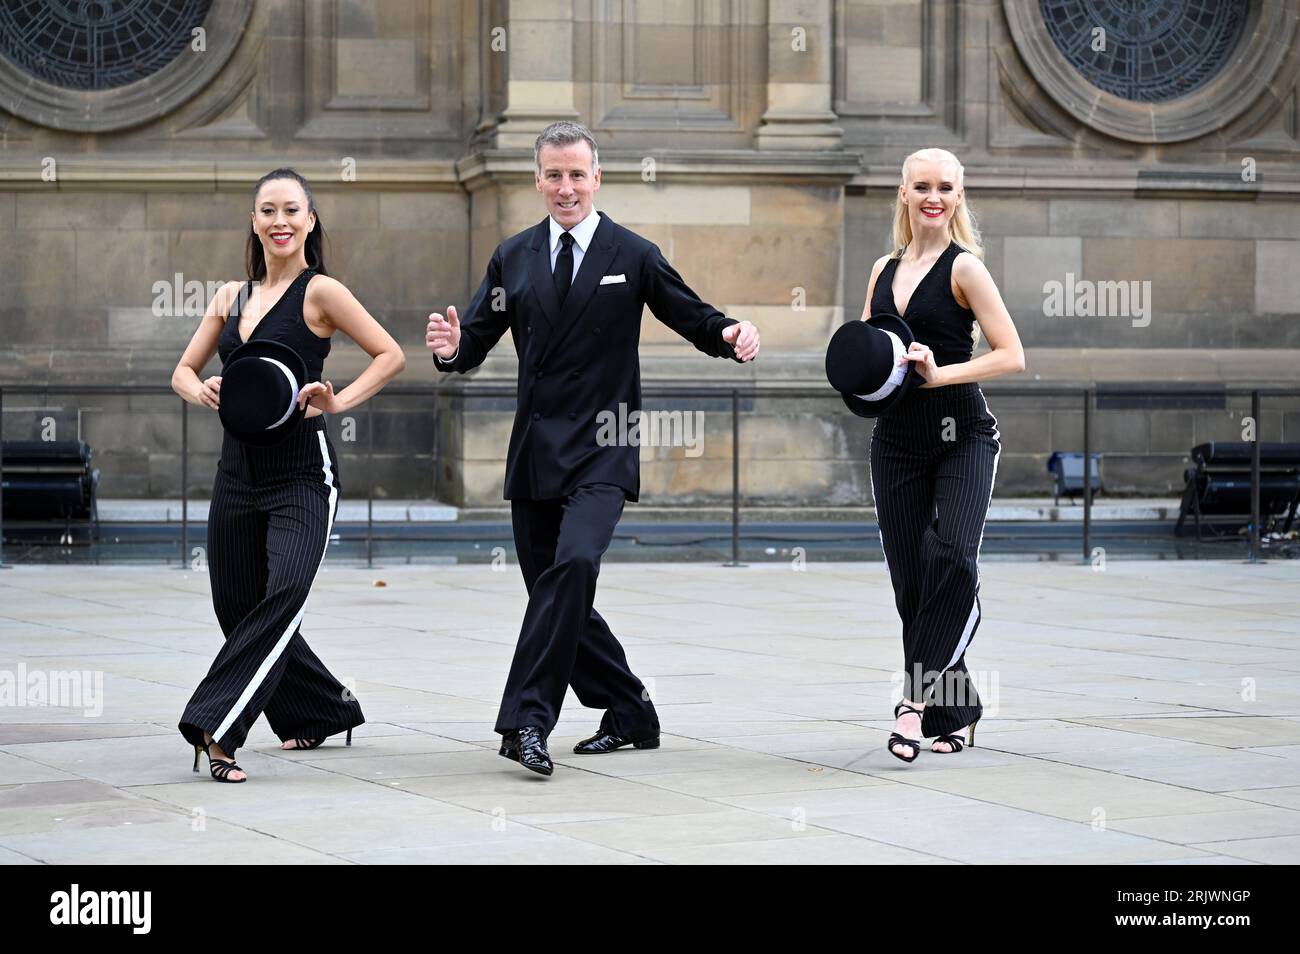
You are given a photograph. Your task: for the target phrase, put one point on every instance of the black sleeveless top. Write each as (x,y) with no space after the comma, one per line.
(932,312)
(283,323)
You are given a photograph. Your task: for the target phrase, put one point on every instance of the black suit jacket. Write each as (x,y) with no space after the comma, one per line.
(581,359)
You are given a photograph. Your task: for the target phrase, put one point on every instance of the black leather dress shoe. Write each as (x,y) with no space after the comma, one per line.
(608,742)
(510,746)
(531,751)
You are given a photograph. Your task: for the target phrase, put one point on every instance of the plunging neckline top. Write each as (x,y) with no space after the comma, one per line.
(282,322)
(935,316)
(267,314)
(902,313)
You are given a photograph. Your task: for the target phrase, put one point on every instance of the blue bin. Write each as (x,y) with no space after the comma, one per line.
(1067,469)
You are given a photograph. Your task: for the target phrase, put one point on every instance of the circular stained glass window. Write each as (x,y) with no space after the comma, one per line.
(96,44)
(1146,50)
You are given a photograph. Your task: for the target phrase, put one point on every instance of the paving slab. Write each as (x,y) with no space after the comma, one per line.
(1146,714)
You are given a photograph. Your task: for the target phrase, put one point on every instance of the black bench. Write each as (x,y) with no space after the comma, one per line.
(1217,488)
(43,481)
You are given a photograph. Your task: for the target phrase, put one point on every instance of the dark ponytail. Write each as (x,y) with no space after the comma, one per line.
(255,255)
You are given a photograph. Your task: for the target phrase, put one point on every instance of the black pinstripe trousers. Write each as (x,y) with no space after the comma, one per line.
(269,523)
(563,640)
(934,458)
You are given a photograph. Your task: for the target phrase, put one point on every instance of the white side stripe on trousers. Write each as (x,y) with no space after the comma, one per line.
(283,642)
(974,616)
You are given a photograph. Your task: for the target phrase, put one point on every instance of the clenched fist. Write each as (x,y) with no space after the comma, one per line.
(743,338)
(442,336)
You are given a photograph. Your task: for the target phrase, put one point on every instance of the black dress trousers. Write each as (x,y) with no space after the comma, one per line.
(269,524)
(563,640)
(933,463)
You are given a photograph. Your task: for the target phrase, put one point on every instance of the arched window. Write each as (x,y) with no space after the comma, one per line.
(1146,50)
(103,65)
(1152,70)
(97,44)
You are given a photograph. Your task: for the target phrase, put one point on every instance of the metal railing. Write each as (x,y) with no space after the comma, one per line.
(476,391)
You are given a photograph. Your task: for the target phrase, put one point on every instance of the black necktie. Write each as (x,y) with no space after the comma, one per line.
(564,266)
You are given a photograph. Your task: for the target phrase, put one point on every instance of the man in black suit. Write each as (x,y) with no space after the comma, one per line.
(571,290)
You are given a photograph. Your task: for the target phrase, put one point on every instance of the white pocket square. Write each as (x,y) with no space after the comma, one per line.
(613,279)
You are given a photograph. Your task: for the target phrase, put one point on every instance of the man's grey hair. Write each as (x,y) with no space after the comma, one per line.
(564,133)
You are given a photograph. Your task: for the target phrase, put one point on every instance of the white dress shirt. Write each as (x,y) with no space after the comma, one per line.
(582,233)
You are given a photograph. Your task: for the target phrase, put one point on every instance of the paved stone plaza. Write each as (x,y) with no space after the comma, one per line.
(1145,713)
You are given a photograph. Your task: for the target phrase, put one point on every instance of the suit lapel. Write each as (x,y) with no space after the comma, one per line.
(539,272)
(595,260)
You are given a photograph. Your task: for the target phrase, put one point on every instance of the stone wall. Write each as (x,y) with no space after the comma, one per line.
(758,142)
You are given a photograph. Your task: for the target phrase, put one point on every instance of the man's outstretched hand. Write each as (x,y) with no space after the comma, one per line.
(743,338)
(442,336)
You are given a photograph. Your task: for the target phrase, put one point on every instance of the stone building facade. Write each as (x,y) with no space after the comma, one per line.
(758,142)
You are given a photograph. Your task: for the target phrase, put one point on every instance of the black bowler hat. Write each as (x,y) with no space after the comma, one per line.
(259,392)
(862,363)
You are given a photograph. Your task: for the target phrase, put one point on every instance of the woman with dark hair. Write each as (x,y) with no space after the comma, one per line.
(273,506)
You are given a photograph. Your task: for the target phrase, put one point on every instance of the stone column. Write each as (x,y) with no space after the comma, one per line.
(539,81)
(799,114)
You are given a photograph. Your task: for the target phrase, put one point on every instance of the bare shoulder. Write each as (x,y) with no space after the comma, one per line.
(324,289)
(327,297)
(327,302)
(970,276)
(968,267)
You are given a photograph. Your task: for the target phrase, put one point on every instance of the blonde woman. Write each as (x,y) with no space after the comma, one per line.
(934,454)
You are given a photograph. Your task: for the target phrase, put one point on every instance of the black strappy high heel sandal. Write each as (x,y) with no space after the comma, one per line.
(955,741)
(896,739)
(220,769)
(300,744)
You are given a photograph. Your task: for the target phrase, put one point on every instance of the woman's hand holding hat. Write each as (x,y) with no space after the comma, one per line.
(209,392)
(320,396)
(922,359)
